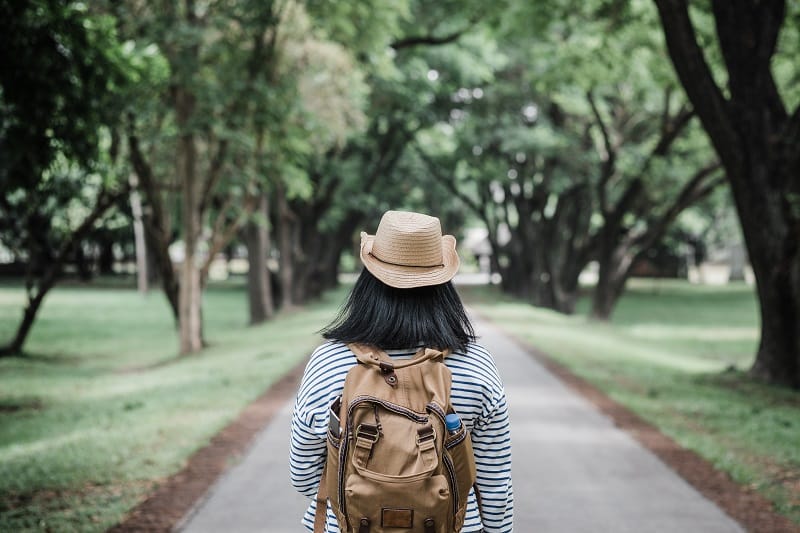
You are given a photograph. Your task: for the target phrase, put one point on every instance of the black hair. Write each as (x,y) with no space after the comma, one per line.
(386,317)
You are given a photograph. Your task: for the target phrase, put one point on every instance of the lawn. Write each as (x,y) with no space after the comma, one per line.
(101,408)
(677,355)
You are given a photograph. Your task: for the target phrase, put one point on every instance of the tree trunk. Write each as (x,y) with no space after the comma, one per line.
(308,280)
(153,267)
(615,261)
(301,266)
(156,225)
(138,238)
(572,222)
(105,261)
(776,359)
(82,264)
(322,270)
(565,288)
(329,265)
(24,328)
(190,295)
(610,286)
(285,248)
(169,278)
(259,289)
(772,243)
(49,275)
(757,141)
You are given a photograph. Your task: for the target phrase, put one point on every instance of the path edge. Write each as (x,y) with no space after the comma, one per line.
(751,510)
(178,496)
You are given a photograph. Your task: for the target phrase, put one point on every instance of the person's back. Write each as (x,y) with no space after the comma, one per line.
(399,304)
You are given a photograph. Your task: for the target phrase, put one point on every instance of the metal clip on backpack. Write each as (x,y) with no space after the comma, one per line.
(393,467)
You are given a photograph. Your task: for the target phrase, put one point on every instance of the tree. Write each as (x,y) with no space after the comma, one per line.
(575,164)
(651,192)
(253,92)
(332,95)
(218,60)
(757,139)
(650,162)
(355,181)
(63,84)
(513,165)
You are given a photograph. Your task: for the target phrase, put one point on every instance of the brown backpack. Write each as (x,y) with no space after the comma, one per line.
(392,466)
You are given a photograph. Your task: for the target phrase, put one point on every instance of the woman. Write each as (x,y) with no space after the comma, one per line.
(403,300)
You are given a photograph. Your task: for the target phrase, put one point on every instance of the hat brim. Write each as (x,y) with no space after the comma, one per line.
(407,277)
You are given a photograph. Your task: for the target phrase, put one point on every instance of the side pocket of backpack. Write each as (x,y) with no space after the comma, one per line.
(334,443)
(459,447)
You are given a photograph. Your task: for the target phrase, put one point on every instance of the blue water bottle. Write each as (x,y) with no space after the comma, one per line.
(453,423)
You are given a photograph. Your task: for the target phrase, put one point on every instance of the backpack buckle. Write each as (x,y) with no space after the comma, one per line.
(428,433)
(366,437)
(368,432)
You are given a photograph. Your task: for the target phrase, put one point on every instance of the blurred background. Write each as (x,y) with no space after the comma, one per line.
(183,185)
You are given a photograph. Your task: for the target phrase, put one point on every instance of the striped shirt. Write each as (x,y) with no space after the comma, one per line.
(477,395)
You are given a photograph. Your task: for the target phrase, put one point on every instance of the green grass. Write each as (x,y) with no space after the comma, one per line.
(101,407)
(677,355)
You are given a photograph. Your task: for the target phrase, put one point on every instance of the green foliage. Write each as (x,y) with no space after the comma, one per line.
(363,26)
(63,75)
(413,91)
(102,409)
(330,98)
(572,135)
(65,81)
(784,64)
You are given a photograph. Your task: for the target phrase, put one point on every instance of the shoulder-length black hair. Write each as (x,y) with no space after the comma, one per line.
(386,317)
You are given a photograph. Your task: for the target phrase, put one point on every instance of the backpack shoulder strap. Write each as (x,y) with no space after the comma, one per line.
(321,512)
(366,354)
(371,355)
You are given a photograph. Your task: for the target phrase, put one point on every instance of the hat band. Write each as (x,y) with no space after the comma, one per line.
(367,248)
(404,265)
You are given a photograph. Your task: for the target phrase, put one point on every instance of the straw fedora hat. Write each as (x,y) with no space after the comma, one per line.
(408,250)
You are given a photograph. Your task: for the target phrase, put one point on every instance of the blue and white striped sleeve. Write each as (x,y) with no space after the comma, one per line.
(306,458)
(307,448)
(491,442)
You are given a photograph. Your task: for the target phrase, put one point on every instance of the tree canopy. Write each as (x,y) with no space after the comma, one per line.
(577,133)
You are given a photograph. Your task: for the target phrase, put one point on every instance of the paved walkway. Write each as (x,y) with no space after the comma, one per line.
(574,471)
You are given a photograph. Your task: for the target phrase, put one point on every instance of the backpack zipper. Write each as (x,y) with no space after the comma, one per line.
(451,472)
(422,419)
(342,455)
(446,459)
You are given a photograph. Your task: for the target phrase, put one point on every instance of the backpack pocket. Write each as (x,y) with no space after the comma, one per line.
(333,463)
(399,507)
(459,460)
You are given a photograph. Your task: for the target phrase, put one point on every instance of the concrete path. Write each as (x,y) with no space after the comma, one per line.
(573,470)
